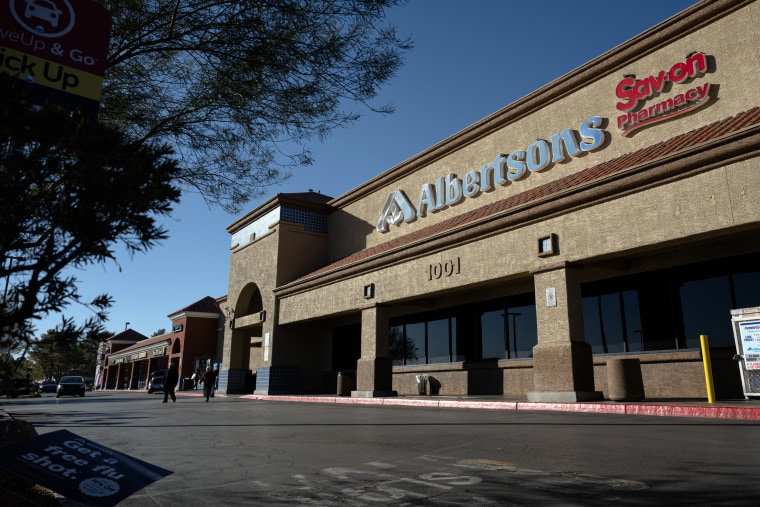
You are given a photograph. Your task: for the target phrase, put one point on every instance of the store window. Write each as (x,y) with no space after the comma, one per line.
(493,333)
(438,341)
(521,327)
(397,345)
(669,309)
(705,296)
(415,342)
(745,281)
(612,319)
(503,328)
(142,375)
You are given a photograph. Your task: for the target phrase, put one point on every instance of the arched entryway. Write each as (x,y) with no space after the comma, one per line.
(246,343)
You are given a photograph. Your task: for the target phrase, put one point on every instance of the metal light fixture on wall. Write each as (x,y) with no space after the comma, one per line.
(231,317)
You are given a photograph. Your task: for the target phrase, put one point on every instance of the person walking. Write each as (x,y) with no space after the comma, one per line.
(170,382)
(209,379)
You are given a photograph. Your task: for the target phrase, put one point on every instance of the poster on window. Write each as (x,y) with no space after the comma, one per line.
(750,336)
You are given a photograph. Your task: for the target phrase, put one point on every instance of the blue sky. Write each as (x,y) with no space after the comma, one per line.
(471,58)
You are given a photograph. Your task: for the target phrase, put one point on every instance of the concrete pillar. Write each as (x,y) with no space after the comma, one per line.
(133,376)
(563,368)
(150,370)
(374,372)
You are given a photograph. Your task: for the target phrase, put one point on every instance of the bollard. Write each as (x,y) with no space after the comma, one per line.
(346,383)
(708,368)
(624,381)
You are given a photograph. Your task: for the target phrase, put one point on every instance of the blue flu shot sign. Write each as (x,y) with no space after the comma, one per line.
(79,469)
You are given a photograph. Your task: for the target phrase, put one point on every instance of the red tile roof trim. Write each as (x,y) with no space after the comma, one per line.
(205,305)
(582,178)
(128,335)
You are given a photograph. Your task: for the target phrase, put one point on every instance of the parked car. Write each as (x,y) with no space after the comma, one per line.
(48,386)
(70,385)
(156,383)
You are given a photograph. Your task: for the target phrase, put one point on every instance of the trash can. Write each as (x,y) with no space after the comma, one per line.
(422,381)
(346,383)
(624,381)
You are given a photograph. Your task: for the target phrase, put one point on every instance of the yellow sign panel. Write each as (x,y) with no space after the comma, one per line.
(50,74)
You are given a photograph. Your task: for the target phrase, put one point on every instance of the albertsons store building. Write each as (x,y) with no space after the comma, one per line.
(613,213)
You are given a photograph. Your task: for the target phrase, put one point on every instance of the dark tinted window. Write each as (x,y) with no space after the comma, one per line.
(496,329)
(670,309)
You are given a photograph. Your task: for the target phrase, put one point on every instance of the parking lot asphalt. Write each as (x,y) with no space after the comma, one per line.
(748,409)
(329,450)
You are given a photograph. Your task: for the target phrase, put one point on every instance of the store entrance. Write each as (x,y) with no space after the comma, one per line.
(346,347)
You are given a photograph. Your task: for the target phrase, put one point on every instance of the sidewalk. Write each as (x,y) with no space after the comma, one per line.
(738,409)
(733,409)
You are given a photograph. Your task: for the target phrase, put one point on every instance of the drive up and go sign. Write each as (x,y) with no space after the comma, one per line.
(58,46)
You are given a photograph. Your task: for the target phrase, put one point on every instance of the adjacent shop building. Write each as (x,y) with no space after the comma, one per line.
(191,345)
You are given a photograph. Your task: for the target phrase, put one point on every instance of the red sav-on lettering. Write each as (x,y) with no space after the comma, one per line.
(632,91)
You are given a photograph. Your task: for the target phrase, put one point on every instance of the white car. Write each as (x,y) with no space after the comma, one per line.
(156,383)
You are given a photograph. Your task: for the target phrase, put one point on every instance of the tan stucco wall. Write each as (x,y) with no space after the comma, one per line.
(456,380)
(255,263)
(663,380)
(716,200)
(562,320)
(733,43)
(276,258)
(299,252)
(622,223)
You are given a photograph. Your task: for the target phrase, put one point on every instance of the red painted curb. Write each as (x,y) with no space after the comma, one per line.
(359,401)
(410,402)
(751,414)
(591,408)
(489,405)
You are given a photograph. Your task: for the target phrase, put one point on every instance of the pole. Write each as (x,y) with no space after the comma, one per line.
(708,368)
